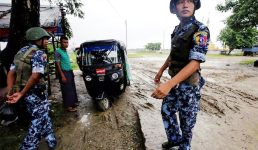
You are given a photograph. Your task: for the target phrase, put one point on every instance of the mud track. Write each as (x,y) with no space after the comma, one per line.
(227,120)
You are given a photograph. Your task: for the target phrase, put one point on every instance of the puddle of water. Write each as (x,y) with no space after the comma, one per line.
(85,119)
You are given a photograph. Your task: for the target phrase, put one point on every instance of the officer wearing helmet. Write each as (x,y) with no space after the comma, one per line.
(26,82)
(189,45)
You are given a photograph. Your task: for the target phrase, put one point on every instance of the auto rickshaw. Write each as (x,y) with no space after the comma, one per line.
(105,69)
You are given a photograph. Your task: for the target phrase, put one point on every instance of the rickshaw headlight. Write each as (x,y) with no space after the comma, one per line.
(114,76)
(88,78)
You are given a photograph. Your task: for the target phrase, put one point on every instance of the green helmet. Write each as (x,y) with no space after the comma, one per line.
(36,33)
(197,4)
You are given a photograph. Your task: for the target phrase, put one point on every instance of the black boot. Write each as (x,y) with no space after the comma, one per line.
(168,145)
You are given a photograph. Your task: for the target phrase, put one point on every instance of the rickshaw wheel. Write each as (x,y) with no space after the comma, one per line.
(104,104)
(128,83)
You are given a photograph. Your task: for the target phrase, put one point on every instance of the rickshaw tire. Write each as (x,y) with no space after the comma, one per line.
(128,83)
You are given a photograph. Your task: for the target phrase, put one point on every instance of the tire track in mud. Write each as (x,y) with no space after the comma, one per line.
(143,87)
(228,115)
(220,100)
(216,99)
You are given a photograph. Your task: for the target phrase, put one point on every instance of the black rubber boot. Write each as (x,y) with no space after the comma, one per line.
(168,145)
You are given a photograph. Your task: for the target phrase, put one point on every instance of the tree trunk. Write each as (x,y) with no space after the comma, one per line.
(25,14)
(230,50)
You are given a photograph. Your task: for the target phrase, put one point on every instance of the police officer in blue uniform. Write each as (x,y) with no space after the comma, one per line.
(26,81)
(189,45)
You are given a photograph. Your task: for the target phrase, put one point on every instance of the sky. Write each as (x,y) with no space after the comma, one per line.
(147,21)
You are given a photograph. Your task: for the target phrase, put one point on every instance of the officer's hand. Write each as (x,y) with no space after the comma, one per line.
(14,98)
(64,80)
(162,91)
(157,78)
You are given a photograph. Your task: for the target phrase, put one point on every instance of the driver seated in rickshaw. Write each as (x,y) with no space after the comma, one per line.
(101,57)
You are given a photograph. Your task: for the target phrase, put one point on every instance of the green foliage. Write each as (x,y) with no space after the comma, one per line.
(247,62)
(153,46)
(74,61)
(217,56)
(50,48)
(50,52)
(244,13)
(68,28)
(239,39)
(241,30)
(72,7)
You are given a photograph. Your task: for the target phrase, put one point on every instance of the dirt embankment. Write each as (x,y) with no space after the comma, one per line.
(90,129)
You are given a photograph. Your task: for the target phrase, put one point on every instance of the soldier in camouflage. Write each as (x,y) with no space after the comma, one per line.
(26,81)
(189,45)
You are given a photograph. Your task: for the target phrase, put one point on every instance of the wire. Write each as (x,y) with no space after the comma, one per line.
(112,6)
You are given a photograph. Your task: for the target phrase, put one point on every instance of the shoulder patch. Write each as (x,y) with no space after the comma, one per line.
(44,57)
(201,38)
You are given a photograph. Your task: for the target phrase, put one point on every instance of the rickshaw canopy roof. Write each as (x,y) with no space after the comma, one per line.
(102,45)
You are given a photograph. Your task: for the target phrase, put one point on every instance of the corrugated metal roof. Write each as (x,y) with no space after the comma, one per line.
(49,16)
(5,15)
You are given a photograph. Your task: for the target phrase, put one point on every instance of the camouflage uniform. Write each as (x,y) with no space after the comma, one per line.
(37,105)
(184,98)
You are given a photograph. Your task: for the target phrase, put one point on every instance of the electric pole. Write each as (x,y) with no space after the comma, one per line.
(126,33)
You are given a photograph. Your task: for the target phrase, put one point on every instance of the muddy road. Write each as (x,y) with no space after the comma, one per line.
(227,120)
(229,104)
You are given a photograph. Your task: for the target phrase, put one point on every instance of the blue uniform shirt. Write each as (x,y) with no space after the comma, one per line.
(38,60)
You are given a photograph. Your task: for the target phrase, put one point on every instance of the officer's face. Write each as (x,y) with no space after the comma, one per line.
(185,8)
(45,42)
(64,43)
(42,43)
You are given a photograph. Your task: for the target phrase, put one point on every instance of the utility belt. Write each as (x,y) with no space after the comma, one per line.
(193,79)
(38,90)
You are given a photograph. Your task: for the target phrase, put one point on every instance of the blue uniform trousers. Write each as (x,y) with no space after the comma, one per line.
(41,125)
(185,100)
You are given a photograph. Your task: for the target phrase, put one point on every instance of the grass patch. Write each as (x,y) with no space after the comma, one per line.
(247,62)
(224,56)
(74,61)
(142,54)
